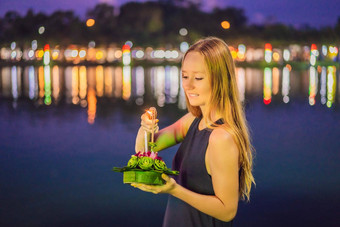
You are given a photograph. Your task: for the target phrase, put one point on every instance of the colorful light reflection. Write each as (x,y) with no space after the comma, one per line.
(44,84)
(126,82)
(47,83)
(32,83)
(267,86)
(285,84)
(92,105)
(140,84)
(331,83)
(241,82)
(313,85)
(55,82)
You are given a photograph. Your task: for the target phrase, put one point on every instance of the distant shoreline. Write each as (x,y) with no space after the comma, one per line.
(259,64)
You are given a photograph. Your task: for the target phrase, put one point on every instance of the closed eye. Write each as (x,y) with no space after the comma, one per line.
(198,78)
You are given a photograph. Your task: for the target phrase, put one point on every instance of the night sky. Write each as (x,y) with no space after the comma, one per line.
(316,13)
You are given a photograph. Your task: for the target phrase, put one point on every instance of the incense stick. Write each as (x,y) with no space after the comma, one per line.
(145,141)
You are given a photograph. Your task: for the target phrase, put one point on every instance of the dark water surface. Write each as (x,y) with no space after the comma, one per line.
(55,167)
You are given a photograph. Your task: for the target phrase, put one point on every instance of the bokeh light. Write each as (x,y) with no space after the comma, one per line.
(13,45)
(92,44)
(34,44)
(82,53)
(126,54)
(184,46)
(268,52)
(183,31)
(129,43)
(41,30)
(225,24)
(47,54)
(139,54)
(90,22)
(286,55)
(276,56)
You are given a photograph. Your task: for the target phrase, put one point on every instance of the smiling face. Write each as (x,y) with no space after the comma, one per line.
(195,80)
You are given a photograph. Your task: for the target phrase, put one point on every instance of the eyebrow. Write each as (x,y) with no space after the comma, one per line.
(194,71)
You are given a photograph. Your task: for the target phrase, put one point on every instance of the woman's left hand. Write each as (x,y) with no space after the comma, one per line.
(168,187)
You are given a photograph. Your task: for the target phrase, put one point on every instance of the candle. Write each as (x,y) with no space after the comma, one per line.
(154,114)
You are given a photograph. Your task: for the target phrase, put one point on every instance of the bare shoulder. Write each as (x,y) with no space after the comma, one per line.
(222,141)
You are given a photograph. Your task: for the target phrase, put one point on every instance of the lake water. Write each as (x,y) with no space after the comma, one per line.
(63,129)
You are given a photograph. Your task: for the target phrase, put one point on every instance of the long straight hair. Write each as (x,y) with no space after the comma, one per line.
(224,100)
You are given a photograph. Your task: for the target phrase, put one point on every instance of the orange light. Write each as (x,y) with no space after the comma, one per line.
(92,105)
(234,54)
(289,67)
(225,24)
(126,48)
(276,56)
(55,55)
(313,47)
(90,22)
(240,56)
(99,55)
(319,69)
(118,54)
(40,53)
(268,46)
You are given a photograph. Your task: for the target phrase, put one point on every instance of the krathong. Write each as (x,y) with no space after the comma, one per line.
(146,167)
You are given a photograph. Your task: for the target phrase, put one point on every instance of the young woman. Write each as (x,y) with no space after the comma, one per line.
(215,156)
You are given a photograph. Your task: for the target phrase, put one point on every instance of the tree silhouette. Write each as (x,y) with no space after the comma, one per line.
(154,23)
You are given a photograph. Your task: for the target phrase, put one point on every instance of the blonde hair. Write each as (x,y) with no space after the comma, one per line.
(225,100)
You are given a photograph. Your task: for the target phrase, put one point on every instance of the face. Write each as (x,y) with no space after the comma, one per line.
(195,80)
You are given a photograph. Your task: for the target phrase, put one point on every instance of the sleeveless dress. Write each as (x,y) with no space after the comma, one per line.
(190,162)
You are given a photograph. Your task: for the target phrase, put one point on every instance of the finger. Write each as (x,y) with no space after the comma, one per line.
(145,126)
(149,124)
(152,113)
(149,128)
(138,185)
(145,117)
(146,188)
(166,177)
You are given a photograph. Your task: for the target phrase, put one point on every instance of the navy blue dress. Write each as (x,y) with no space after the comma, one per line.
(190,162)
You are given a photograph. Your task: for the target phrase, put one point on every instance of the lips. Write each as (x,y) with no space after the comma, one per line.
(192,95)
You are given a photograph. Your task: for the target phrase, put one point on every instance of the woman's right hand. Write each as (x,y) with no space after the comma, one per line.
(148,125)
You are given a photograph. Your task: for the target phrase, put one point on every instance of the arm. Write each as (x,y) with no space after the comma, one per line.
(222,163)
(166,137)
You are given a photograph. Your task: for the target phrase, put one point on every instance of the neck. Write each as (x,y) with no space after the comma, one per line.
(215,115)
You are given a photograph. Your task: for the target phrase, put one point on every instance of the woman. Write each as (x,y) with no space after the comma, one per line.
(215,157)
